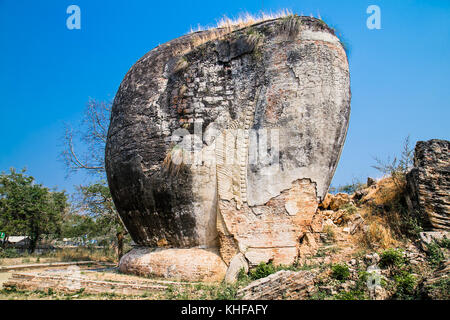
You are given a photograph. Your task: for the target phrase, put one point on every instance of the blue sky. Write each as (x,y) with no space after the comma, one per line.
(400,75)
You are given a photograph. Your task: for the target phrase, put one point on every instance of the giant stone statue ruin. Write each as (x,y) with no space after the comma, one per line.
(222,143)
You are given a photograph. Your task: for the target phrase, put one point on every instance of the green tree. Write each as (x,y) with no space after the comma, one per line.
(96,201)
(77,225)
(30,209)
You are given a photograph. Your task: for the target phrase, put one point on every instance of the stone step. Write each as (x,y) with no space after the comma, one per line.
(52,264)
(72,283)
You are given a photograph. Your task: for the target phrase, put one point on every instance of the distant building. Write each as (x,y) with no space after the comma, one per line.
(18,241)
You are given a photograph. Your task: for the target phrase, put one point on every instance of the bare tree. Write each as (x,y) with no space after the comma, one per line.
(92,135)
(399,166)
(90,158)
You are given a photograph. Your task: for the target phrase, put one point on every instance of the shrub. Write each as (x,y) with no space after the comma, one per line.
(220,291)
(319,295)
(403,221)
(174,293)
(242,275)
(340,272)
(434,253)
(405,285)
(391,258)
(361,283)
(262,270)
(349,208)
(226,292)
(440,290)
(378,233)
(412,223)
(329,231)
(243,278)
(9,253)
(397,168)
(444,243)
(350,295)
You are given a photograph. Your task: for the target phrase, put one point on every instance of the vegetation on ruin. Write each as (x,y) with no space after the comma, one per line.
(340,272)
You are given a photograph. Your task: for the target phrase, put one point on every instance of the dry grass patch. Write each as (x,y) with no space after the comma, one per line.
(377,235)
(386,214)
(227,25)
(244,20)
(80,254)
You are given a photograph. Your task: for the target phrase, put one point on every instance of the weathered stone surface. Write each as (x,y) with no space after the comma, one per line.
(236,265)
(275,233)
(309,244)
(191,264)
(370,181)
(429,182)
(427,238)
(69,283)
(335,202)
(317,223)
(325,203)
(281,285)
(356,224)
(436,286)
(92,280)
(284,81)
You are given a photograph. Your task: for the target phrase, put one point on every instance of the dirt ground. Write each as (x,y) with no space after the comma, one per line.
(31,260)
(4,276)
